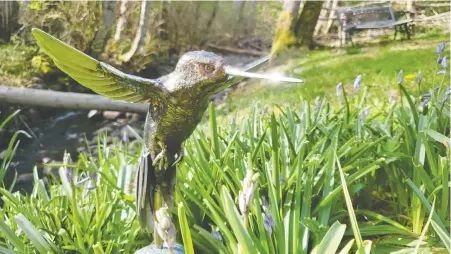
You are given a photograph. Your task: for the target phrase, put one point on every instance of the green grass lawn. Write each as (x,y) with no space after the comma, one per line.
(378,64)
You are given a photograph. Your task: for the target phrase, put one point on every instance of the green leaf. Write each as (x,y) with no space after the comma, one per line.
(11,116)
(11,236)
(438,136)
(443,234)
(214,129)
(33,234)
(184,230)
(233,218)
(347,247)
(425,228)
(352,217)
(7,251)
(332,239)
(426,203)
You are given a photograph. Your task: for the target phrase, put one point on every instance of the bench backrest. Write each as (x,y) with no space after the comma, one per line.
(357,16)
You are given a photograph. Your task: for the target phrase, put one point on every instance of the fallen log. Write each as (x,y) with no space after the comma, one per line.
(68,100)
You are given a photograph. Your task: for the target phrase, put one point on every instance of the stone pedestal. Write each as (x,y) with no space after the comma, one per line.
(152,249)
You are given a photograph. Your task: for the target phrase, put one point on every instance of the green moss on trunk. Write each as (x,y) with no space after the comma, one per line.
(305,25)
(284,36)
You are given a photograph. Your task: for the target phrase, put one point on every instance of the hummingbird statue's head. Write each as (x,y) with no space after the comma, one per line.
(199,70)
(206,73)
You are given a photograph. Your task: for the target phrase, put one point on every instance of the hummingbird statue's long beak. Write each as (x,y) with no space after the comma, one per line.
(235,72)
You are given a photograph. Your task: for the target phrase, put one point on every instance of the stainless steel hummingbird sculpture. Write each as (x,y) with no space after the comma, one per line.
(177,103)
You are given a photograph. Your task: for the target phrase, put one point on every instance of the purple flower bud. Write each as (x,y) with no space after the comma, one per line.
(400,77)
(90,186)
(124,137)
(442,47)
(365,114)
(390,99)
(82,181)
(268,222)
(438,50)
(444,63)
(246,196)
(265,203)
(425,102)
(67,160)
(338,89)
(439,60)
(357,82)
(215,233)
(419,78)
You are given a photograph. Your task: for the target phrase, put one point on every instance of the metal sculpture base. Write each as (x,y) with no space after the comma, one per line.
(152,249)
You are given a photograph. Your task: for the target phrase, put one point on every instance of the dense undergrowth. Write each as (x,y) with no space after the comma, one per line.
(364,177)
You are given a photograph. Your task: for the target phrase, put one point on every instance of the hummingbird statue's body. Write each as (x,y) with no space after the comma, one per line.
(177,103)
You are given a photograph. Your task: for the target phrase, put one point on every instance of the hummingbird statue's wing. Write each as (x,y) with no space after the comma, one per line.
(98,76)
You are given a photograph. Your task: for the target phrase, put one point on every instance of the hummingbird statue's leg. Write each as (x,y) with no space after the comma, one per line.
(170,179)
(166,188)
(161,158)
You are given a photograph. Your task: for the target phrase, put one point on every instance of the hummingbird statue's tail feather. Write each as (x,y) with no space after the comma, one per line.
(145,187)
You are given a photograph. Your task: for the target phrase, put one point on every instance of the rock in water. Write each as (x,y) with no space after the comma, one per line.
(152,249)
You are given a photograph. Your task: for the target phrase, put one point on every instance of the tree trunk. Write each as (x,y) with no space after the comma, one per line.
(209,23)
(121,21)
(239,12)
(9,13)
(163,22)
(323,14)
(411,9)
(285,35)
(141,31)
(212,17)
(331,17)
(103,33)
(306,23)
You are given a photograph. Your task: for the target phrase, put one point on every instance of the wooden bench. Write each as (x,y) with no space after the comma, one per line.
(363,18)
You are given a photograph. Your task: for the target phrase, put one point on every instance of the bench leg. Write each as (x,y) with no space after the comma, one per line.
(407,31)
(396,32)
(350,38)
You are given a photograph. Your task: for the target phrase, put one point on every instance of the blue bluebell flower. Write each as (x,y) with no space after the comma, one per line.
(265,203)
(268,222)
(339,89)
(125,137)
(442,47)
(425,102)
(400,77)
(246,196)
(419,78)
(390,99)
(357,82)
(215,233)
